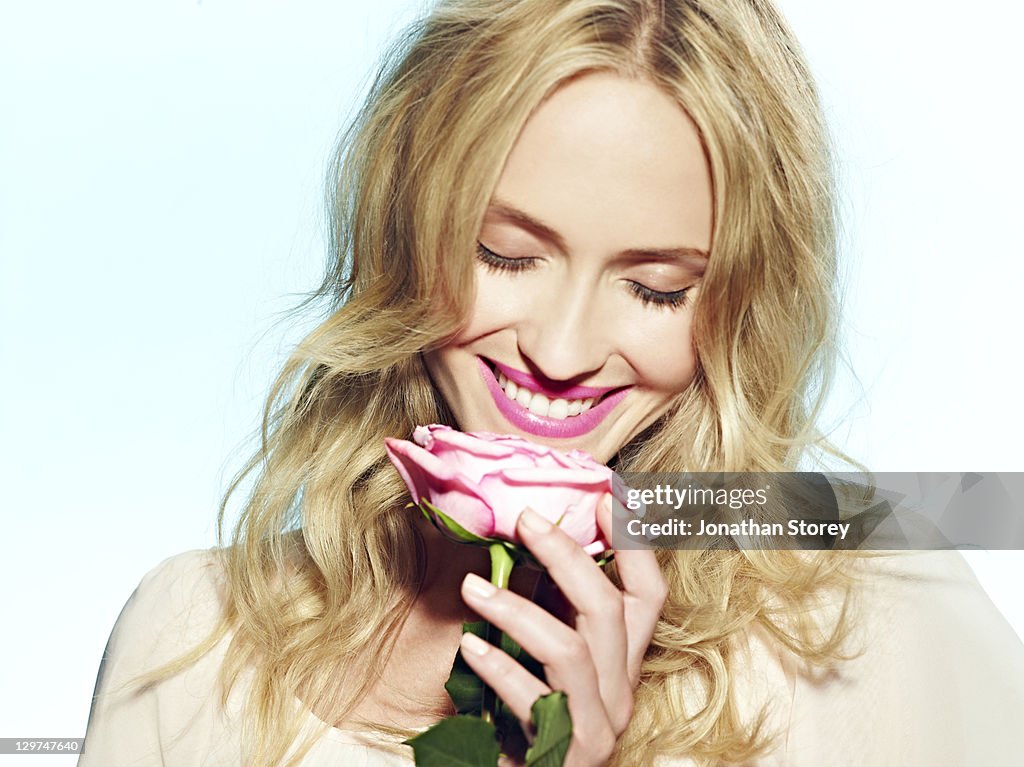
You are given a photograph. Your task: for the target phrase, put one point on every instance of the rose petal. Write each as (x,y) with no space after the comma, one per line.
(474,457)
(620,489)
(400,452)
(484,480)
(571,495)
(457,442)
(421,436)
(466,508)
(488,444)
(543,476)
(428,477)
(541,455)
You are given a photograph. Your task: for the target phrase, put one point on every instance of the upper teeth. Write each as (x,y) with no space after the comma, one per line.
(539,404)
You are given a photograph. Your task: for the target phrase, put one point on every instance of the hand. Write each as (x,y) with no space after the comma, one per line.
(597,661)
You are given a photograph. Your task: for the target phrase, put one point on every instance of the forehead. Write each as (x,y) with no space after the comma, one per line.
(612,163)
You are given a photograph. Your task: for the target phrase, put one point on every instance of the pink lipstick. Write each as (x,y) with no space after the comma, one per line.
(544,426)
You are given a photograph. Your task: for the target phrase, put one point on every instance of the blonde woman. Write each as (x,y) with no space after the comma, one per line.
(623,208)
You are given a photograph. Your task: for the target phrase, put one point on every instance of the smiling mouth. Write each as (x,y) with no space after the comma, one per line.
(545,405)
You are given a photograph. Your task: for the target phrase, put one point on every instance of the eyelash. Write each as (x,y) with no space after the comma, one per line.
(648,297)
(498,263)
(673,300)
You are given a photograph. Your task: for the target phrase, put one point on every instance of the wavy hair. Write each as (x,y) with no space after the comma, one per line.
(323,562)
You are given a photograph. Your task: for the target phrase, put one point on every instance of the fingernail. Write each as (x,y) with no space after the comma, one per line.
(534,522)
(478,587)
(474,645)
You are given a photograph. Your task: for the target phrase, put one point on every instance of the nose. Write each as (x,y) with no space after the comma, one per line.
(565,335)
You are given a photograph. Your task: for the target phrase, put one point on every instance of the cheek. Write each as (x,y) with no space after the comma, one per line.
(661,351)
(497,305)
(439,368)
(657,344)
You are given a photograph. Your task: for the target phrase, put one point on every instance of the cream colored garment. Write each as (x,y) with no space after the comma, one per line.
(941,681)
(178,723)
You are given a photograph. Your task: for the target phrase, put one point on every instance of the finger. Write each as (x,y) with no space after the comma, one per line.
(509,680)
(600,615)
(644,592)
(592,735)
(565,655)
(562,651)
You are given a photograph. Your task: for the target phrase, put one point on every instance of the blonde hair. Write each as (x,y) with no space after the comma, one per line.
(324,562)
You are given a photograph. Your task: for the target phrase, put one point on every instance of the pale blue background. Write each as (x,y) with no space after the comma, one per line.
(161,173)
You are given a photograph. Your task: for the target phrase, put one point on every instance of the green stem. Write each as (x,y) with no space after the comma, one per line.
(502,563)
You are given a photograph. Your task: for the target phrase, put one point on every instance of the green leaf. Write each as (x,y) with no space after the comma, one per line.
(444,523)
(551,720)
(464,686)
(466,690)
(458,741)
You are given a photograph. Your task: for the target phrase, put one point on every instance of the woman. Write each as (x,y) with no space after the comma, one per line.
(623,209)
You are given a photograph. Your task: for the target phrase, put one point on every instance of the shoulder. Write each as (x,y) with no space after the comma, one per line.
(195,573)
(932,656)
(176,604)
(920,605)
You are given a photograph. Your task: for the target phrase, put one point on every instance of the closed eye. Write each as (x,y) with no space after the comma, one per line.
(501,263)
(648,297)
(672,299)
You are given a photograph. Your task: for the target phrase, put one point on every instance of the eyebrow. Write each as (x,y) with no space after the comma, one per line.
(694,257)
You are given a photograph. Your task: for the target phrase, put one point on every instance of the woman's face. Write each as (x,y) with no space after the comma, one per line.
(590,258)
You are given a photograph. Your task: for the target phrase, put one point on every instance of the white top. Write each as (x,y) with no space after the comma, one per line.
(940,682)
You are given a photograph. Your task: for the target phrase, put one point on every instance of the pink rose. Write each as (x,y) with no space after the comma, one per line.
(484,481)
